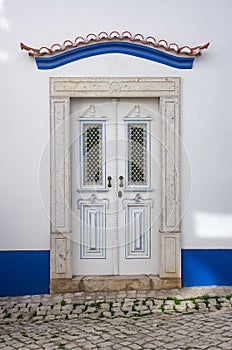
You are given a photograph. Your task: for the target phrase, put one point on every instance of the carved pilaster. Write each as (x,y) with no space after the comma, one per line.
(60,166)
(170,164)
(170,266)
(60,259)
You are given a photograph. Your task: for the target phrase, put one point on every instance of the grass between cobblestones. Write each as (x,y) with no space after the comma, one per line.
(69,308)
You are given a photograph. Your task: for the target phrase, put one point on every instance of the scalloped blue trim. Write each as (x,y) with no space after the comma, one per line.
(132,49)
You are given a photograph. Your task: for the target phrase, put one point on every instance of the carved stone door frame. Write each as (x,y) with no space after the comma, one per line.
(61,91)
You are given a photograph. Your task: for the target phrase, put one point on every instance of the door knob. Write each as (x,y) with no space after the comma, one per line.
(121,181)
(109,178)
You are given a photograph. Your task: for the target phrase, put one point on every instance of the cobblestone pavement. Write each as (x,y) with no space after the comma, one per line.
(209,331)
(40,308)
(178,319)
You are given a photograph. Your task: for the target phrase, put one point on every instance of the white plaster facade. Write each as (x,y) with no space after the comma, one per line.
(206,124)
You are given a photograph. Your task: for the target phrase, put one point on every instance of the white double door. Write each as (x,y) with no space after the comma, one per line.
(116,180)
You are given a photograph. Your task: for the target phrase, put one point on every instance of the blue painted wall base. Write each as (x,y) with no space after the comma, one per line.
(24,272)
(27,272)
(206,267)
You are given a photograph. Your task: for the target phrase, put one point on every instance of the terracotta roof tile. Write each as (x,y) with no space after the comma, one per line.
(115,36)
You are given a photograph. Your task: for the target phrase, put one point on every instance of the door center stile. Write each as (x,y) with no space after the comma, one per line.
(115,267)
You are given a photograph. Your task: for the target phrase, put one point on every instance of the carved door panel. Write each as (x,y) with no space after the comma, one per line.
(116,186)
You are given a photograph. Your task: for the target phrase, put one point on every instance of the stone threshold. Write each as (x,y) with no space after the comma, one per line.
(111,283)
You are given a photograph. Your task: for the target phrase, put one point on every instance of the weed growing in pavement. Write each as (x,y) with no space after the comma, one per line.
(97,305)
(24,334)
(63,302)
(175,309)
(86,307)
(206,300)
(196,305)
(219,304)
(177,301)
(135,303)
(111,308)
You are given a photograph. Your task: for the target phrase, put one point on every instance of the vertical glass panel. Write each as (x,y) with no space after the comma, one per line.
(92,154)
(137,154)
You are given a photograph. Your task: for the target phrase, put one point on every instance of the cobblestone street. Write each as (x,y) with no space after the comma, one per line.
(209,331)
(178,319)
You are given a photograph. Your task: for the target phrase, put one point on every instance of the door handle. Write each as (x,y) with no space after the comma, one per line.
(121,181)
(109,178)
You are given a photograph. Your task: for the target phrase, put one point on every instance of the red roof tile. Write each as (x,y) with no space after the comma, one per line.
(116,36)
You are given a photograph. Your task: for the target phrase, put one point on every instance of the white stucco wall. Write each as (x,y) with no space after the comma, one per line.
(206,123)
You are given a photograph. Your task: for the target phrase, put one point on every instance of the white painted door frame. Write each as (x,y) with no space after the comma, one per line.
(168,92)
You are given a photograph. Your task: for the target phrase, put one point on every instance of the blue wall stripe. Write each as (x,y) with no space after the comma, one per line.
(132,49)
(27,272)
(24,272)
(206,267)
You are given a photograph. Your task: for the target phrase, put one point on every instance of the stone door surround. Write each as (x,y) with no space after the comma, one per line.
(61,91)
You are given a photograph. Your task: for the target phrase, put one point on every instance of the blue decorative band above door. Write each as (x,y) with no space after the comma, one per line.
(58,55)
(114,47)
